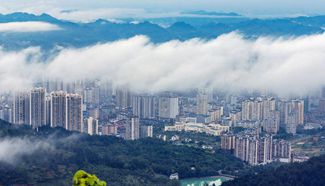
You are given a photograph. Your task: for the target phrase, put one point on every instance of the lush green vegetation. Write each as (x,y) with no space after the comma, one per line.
(116,161)
(311,172)
(82,178)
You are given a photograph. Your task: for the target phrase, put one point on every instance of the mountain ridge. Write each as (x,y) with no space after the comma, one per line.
(75,34)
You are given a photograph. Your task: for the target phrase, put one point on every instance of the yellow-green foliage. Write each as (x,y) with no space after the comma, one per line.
(82,178)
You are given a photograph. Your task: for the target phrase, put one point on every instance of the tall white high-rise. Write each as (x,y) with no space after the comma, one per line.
(21,108)
(202,103)
(123,97)
(132,128)
(74,116)
(271,124)
(136,105)
(247,110)
(253,149)
(216,114)
(295,107)
(58,109)
(293,115)
(168,107)
(257,110)
(268,107)
(144,106)
(48,110)
(91,95)
(37,107)
(90,126)
(149,107)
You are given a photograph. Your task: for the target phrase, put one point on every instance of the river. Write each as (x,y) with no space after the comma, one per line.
(207,181)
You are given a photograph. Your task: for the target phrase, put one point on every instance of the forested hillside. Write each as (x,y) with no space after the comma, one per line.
(310,173)
(52,156)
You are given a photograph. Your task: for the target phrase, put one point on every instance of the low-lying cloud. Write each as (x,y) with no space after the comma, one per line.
(229,62)
(12,149)
(28,26)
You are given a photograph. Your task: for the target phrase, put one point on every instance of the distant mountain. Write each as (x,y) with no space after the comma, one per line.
(182,31)
(211,13)
(20,16)
(157,29)
(277,27)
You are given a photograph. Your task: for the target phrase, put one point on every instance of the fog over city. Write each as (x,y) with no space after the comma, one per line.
(230,62)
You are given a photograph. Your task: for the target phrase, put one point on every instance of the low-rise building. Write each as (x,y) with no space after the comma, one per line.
(211,128)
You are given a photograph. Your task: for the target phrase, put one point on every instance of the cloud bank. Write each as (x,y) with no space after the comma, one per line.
(28,26)
(229,62)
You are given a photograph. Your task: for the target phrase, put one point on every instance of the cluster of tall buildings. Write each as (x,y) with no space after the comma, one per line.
(147,106)
(270,114)
(98,107)
(256,150)
(154,107)
(57,109)
(82,107)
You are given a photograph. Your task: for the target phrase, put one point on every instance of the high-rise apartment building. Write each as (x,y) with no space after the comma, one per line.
(37,107)
(269,106)
(132,128)
(48,110)
(149,107)
(74,116)
(91,95)
(252,110)
(241,150)
(281,149)
(271,123)
(250,148)
(265,150)
(123,97)
(228,141)
(168,107)
(137,105)
(257,110)
(253,156)
(90,126)
(21,113)
(216,114)
(144,106)
(293,115)
(58,109)
(202,103)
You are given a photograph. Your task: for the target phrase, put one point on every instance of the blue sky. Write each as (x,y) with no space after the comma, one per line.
(86,10)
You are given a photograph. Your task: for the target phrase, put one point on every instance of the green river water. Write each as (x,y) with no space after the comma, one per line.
(202,181)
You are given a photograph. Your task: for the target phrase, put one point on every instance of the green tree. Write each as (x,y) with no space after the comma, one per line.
(82,178)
